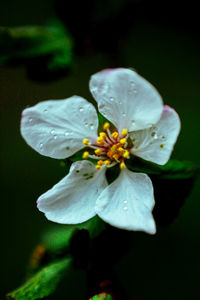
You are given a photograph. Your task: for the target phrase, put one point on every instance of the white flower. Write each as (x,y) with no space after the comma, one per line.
(139,125)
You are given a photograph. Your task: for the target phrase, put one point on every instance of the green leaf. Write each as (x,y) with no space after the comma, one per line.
(59,237)
(47,47)
(102,296)
(174,169)
(42,283)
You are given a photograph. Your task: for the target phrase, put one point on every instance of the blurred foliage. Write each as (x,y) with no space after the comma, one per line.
(102,296)
(42,283)
(46,50)
(53,257)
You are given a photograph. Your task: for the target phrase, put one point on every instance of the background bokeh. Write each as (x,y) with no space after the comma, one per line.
(161,43)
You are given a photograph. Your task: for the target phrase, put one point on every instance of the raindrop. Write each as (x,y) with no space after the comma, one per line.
(154,135)
(124,114)
(52,131)
(45,110)
(135,91)
(91,126)
(66,133)
(133,122)
(125,201)
(111,99)
(81,108)
(41,145)
(30,120)
(125,207)
(55,137)
(86,124)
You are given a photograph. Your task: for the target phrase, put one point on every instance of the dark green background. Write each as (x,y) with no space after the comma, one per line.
(161,267)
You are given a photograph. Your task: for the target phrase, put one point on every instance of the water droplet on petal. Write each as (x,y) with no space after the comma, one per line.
(92,126)
(45,110)
(86,124)
(52,131)
(55,137)
(125,208)
(125,201)
(41,145)
(111,99)
(133,122)
(81,108)
(30,120)
(163,137)
(154,135)
(124,114)
(66,133)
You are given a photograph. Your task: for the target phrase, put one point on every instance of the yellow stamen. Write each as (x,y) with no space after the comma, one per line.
(100,162)
(86,142)
(106,126)
(122,165)
(126,154)
(115,135)
(98,167)
(124,132)
(100,141)
(120,149)
(103,135)
(98,151)
(85,154)
(110,154)
(116,156)
(123,141)
(107,162)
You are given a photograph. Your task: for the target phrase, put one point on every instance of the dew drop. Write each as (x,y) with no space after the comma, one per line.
(154,135)
(132,83)
(55,137)
(81,108)
(30,120)
(41,145)
(45,110)
(124,114)
(92,126)
(111,99)
(125,208)
(52,131)
(66,133)
(86,124)
(133,122)
(125,201)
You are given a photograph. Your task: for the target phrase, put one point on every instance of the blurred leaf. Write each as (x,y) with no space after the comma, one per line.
(42,283)
(47,47)
(174,169)
(102,296)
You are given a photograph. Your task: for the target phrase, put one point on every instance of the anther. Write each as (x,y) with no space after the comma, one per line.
(116,156)
(103,135)
(124,132)
(115,135)
(123,141)
(121,150)
(85,154)
(106,125)
(86,142)
(100,141)
(98,151)
(100,163)
(98,167)
(126,154)
(122,165)
(107,162)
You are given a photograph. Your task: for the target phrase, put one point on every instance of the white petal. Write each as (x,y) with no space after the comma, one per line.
(126,99)
(73,199)
(127,203)
(156,144)
(56,128)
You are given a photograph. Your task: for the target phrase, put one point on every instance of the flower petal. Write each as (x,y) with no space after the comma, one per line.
(126,99)
(56,128)
(72,200)
(127,203)
(156,144)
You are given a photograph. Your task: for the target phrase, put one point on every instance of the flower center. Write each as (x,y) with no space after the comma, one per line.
(111,148)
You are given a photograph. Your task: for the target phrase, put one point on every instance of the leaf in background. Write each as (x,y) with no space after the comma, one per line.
(102,296)
(172,183)
(42,283)
(46,49)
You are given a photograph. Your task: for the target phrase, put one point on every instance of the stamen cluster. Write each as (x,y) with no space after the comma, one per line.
(111,147)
